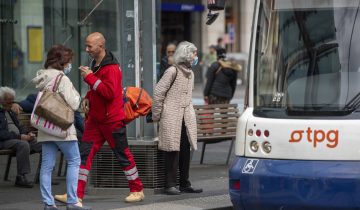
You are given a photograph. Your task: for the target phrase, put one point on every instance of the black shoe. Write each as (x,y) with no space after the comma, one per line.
(21,181)
(171,191)
(190,189)
(75,207)
(47,207)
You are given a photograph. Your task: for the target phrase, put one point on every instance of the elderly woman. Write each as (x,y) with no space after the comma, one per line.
(58,63)
(173,109)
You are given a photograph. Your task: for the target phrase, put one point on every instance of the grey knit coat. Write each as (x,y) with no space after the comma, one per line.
(172,105)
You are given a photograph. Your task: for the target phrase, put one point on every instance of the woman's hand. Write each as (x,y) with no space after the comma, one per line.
(155,118)
(206,99)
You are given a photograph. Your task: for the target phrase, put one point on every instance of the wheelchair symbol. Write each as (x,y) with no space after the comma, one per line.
(250,166)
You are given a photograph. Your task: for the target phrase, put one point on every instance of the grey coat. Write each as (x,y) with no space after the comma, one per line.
(171,106)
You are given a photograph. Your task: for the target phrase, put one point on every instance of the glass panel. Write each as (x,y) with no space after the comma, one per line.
(306,56)
(61,27)
(29,28)
(101,16)
(22,44)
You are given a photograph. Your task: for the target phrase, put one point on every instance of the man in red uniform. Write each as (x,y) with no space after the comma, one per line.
(103,106)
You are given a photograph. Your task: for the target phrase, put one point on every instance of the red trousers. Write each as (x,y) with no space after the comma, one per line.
(94,137)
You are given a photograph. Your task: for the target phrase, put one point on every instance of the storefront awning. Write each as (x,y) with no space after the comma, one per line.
(175,7)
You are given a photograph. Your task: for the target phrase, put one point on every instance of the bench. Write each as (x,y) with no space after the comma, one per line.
(10,154)
(216,123)
(24,120)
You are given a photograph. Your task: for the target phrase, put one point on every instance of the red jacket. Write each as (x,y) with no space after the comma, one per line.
(105,94)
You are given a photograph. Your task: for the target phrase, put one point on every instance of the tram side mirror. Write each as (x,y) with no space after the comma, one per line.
(214,5)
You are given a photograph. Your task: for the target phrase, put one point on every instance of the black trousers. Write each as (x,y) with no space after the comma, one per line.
(178,160)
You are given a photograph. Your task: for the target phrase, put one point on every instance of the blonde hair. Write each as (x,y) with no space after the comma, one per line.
(184,52)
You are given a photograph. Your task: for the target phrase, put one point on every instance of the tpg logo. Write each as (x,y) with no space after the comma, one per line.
(315,137)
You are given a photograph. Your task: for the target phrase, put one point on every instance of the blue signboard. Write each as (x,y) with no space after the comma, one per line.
(176,7)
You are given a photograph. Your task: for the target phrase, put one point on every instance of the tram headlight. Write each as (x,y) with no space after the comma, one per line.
(266,146)
(254,146)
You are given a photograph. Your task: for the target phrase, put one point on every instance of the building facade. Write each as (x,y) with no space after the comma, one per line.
(29,28)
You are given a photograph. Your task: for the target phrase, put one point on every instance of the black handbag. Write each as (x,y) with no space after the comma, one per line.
(149,118)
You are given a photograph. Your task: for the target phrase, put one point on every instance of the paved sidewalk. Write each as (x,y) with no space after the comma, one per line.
(211,176)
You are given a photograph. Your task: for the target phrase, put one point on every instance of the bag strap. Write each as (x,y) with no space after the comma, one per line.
(218,70)
(57,82)
(138,99)
(173,80)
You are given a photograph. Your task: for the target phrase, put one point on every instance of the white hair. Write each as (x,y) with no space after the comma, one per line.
(184,52)
(6,91)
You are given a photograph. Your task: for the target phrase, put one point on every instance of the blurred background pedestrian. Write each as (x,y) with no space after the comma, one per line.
(208,58)
(167,60)
(221,80)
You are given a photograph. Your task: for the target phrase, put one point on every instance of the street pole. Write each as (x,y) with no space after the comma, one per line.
(148,40)
(127,51)
(137,61)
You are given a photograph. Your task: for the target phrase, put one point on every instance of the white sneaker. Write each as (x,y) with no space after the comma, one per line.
(63,198)
(135,197)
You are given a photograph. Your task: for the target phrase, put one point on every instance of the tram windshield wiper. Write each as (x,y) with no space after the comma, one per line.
(353,104)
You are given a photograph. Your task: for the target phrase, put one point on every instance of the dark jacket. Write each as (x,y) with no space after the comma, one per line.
(5,134)
(164,64)
(28,104)
(221,83)
(105,92)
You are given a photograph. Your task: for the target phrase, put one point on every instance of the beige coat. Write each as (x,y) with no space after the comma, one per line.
(171,106)
(66,89)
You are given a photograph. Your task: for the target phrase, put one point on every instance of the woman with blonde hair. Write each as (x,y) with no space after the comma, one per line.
(59,61)
(173,109)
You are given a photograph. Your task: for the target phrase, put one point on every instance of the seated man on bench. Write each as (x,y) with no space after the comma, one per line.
(15,137)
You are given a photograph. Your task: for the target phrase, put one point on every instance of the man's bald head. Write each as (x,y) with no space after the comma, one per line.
(97,38)
(95,45)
